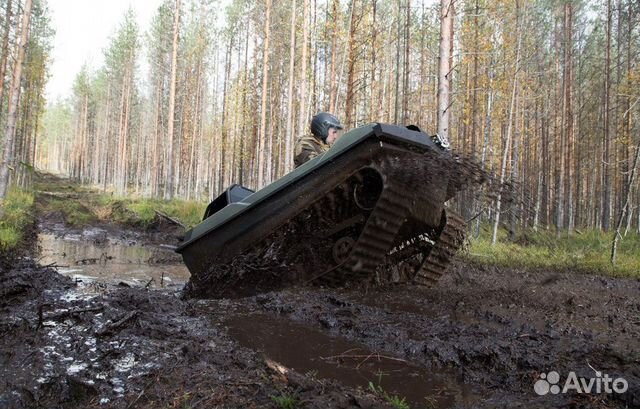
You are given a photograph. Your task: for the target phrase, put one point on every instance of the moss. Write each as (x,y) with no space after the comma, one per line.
(586,251)
(75,213)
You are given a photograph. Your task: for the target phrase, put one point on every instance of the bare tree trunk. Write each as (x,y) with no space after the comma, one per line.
(263,112)
(507,144)
(244,109)
(625,207)
(406,71)
(155,159)
(7,160)
(487,135)
(288,160)
(606,156)
(5,50)
(106,141)
(397,70)
(222,176)
(168,188)
(375,100)
(444,68)
(351,67)
(302,97)
(515,159)
(333,88)
(568,62)
(474,100)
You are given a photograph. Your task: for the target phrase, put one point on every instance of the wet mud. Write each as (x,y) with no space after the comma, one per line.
(310,350)
(482,338)
(92,256)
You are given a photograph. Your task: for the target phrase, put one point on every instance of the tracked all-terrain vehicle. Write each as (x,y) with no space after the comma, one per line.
(372,207)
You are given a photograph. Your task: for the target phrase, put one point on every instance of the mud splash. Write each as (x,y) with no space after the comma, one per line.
(310,351)
(92,256)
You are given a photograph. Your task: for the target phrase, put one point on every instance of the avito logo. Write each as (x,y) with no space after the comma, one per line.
(549,383)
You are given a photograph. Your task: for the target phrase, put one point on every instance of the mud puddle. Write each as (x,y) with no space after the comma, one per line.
(310,351)
(398,301)
(92,256)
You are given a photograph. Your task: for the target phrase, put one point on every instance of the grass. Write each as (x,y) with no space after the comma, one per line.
(396,401)
(81,205)
(142,211)
(188,212)
(286,401)
(74,211)
(16,216)
(586,251)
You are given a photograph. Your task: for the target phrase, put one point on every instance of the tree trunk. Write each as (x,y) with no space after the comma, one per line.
(223,122)
(406,71)
(333,88)
(374,101)
(302,97)
(625,207)
(263,112)
(7,160)
(5,50)
(507,144)
(606,156)
(444,68)
(568,94)
(288,159)
(396,103)
(351,67)
(168,188)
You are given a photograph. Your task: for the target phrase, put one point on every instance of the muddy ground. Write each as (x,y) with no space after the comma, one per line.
(480,339)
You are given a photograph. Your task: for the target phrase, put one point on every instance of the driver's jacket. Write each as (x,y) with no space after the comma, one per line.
(307,148)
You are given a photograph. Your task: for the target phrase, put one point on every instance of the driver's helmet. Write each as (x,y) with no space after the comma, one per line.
(320,124)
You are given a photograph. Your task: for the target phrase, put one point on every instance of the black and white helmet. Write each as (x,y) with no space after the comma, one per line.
(321,123)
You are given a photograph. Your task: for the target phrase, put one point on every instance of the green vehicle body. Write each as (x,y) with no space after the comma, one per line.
(235,227)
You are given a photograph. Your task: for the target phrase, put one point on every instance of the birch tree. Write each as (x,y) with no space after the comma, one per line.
(444,67)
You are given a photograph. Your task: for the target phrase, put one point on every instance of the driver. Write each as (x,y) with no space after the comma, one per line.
(324,132)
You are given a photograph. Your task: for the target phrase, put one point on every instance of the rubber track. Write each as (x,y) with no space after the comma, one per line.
(379,233)
(438,258)
(392,210)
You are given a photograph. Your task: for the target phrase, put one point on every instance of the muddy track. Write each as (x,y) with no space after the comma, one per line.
(482,336)
(499,328)
(493,330)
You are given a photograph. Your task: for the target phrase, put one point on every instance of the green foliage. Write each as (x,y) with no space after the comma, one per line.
(75,213)
(142,211)
(17,214)
(81,205)
(9,237)
(394,400)
(586,251)
(286,401)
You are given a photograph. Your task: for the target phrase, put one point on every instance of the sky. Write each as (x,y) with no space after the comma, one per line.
(83,29)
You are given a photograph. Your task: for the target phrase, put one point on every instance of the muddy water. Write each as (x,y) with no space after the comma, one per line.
(309,351)
(91,256)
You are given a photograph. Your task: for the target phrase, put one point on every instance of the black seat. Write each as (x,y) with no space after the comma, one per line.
(235,193)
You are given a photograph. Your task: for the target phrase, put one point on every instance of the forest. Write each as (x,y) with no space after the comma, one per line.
(543,94)
(388,272)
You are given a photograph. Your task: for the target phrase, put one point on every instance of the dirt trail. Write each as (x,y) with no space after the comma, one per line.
(479,339)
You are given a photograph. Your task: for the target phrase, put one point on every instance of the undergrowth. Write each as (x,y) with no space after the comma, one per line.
(395,401)
(285,401)
(582,251)
(144,212)
(81,205)
(17,214)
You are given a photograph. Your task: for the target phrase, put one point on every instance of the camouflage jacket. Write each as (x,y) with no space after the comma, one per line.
(307,148)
